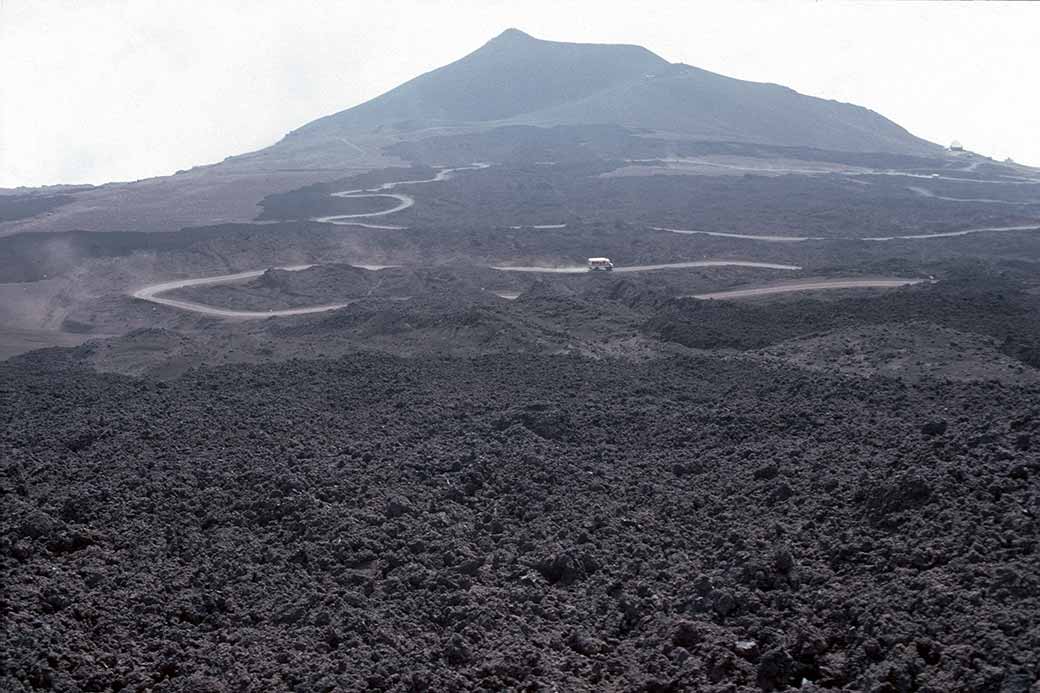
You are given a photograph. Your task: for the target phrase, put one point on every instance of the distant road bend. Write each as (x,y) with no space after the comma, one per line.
(151,293)
(403,201)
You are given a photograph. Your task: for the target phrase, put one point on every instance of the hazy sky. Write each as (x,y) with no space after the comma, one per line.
(99,90)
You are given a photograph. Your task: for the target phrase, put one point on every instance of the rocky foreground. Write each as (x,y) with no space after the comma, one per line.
(517,522)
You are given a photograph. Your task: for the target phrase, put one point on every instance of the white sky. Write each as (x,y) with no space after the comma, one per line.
(101,90)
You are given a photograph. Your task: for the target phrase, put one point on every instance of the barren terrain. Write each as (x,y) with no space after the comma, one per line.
(360,419)
(526,523)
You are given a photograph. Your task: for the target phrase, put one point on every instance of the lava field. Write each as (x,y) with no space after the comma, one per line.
(520,522)
(350,412)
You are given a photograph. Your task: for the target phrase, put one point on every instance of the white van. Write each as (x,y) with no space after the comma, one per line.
(600,263)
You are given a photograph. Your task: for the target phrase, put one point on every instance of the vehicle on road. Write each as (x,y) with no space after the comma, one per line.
(597,264)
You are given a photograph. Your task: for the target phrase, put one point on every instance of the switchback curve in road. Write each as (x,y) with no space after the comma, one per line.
(403,201)
(151,294)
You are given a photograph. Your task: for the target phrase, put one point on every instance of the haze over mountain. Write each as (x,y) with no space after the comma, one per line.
(555,90)
(518,79)
(561,367)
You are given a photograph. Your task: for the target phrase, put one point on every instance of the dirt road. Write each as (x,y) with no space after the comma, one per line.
(881,283)
(151,293)
(950,234)
(403,201)
(929,194)
(578,269)
(765,238)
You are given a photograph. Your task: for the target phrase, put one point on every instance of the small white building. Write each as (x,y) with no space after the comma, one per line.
(956,146)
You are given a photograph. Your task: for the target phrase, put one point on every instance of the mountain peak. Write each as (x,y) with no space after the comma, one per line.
(517,78)
(514,34)
(512,74)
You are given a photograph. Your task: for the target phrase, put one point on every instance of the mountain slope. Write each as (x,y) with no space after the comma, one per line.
(702,105)
(510,75)
(573,92)
(516,78)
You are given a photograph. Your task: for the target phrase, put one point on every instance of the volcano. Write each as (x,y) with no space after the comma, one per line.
(518,79)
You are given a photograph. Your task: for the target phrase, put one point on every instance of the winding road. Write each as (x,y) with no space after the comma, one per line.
(403,201)
(916,189)
(153,292)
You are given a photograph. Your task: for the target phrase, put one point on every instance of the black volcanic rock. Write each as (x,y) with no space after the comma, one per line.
(370,524)
(934,427)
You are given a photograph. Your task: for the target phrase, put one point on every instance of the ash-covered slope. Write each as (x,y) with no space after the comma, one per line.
(506,99)
(512,74)
(516,78)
